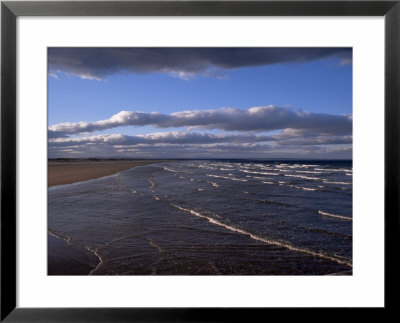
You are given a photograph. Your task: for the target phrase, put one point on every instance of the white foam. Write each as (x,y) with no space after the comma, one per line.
(261,173)
(170,170)
(237,179)
(341,183)
(152,183)
(265,167)
(303,188)
(226,165)
(304,177)
(335,216)
(100,260)
(307,171)
(66,239)
(230,178)
(153,244)
(333,170)
(282,244)
(206,167)
(214,184)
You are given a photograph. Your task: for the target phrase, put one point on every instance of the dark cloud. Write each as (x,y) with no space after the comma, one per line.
(228,119)
(96,63)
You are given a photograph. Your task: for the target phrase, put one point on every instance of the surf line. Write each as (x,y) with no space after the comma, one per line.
(152,183)
(336,259)
(342,217)
(95,252)
(66,239)
(153,244)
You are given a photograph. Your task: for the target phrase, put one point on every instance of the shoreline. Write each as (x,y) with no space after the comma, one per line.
(66,258)
(69,172)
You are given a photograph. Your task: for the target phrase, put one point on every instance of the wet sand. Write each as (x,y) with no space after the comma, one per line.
(68,172)
(66,258)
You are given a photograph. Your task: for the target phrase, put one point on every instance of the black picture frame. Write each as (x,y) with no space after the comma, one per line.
(10,10)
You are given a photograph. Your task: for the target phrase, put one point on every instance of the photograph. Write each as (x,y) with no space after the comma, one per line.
(226,158)
(199,161)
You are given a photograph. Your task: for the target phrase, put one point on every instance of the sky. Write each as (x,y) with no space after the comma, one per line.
(261,103)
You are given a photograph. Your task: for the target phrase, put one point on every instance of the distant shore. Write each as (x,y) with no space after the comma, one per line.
(64,171)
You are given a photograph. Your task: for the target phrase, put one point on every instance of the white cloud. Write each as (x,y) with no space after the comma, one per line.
(176,144)
(256,119)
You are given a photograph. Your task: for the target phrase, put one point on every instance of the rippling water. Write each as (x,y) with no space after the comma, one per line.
(211,218)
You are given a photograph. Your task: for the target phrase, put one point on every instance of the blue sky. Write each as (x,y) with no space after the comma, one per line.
(256,103)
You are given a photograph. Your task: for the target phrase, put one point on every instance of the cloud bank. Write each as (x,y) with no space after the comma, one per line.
(176,144)
(173,137)
(200,145)
(178,137)
(97,63)
(256,119)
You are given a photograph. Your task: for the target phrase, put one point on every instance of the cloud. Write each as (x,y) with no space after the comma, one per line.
(172,144)
(97,63)
(312,140)
(217,150)
(172,137)
(175,144)
(256,119)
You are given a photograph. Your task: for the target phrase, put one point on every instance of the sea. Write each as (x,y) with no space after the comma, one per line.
(207,217)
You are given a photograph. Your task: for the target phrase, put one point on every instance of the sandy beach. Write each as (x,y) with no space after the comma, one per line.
(68,172)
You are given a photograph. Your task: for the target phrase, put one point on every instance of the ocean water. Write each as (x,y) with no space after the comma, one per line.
(210,217)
